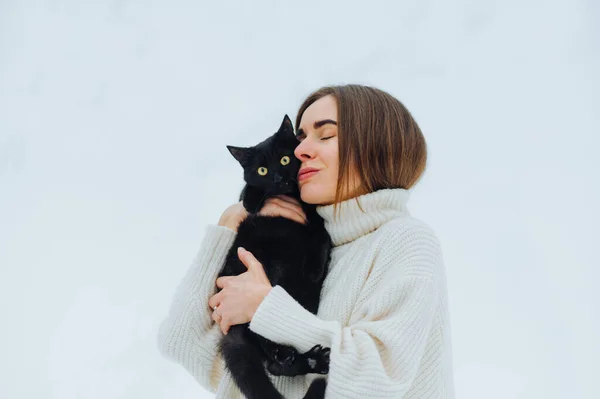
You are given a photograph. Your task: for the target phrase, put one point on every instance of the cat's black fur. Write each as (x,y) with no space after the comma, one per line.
(295,256)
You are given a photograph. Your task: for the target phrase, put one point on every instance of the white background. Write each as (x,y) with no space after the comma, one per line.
(114,118)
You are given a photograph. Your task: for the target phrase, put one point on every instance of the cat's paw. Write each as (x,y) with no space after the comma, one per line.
(284,355)
(275,368)
(318,359)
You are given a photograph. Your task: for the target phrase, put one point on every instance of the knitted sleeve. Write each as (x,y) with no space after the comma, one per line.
(188,334)
(377,354)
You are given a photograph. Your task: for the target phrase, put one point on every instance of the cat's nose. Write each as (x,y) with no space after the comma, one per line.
(277,179)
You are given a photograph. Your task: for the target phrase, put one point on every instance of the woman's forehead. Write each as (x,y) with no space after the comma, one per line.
(323,108)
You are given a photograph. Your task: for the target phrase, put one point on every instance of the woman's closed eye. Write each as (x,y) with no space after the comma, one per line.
(302,137)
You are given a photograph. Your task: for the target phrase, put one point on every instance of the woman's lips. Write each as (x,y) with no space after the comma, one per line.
(305,176)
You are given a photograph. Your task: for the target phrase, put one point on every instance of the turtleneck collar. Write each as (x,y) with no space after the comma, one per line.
(351,223)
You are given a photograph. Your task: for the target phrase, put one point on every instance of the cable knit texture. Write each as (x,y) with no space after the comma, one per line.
(383,309)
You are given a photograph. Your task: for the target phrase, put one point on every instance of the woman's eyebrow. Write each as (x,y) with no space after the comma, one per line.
(317,125)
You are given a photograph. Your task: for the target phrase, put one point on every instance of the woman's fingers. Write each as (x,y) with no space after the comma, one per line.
(223,323)
(215,300)
(222,281)
(215,316)
(281,207)
(285,204)
(289,199)
(278,207)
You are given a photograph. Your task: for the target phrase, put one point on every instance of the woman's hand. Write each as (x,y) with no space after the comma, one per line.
(240,295)
(285,206)
(281,205)
(233,216)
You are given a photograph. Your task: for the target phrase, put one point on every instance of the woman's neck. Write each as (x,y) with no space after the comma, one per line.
(350,222)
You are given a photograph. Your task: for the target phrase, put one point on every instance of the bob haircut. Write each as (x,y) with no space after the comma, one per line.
(378,139)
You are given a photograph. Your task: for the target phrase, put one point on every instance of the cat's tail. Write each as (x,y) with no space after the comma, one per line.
(316,389)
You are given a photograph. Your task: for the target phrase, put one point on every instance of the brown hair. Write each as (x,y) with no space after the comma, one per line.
(377,137)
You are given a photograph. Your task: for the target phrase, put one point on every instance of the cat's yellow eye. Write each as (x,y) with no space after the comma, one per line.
(262,171)
(285,160)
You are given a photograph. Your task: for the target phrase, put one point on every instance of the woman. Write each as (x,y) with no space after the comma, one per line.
(383,309)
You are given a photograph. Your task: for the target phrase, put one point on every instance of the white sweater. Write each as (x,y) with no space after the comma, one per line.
(383,309)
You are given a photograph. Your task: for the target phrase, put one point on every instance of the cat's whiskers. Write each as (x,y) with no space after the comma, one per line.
(261,200)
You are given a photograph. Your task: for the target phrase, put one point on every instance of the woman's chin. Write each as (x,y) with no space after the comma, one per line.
(314,195)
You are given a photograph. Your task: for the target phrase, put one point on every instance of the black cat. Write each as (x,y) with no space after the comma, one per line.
(295,256)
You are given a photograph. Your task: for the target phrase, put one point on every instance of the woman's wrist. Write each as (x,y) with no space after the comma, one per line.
(223,221)
(233,216)
(226,222)
(262,295)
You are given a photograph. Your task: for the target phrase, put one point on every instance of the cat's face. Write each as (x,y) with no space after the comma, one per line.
(271,165)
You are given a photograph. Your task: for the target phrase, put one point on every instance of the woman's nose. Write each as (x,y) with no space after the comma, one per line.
(303,151)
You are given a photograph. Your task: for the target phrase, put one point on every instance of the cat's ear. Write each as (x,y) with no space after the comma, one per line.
(243,155)
(287,128)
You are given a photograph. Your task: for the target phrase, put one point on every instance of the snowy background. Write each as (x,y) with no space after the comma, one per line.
(114,118)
